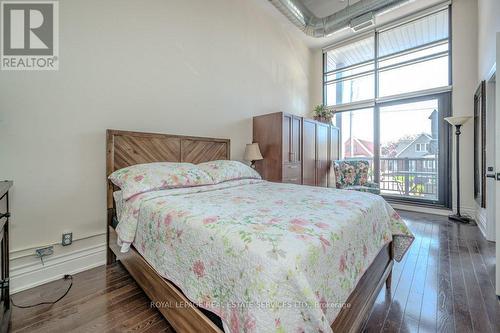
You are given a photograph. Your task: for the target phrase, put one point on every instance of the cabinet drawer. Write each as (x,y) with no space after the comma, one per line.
(292,181)
(292,173)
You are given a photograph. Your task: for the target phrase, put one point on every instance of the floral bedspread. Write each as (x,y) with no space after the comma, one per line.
(265,257)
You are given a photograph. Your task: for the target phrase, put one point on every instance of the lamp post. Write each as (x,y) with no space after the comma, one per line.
(458,121)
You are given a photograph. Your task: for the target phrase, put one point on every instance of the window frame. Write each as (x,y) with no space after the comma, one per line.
(421,147)
(444,159)
(443,94)
(366,73)
(377,60)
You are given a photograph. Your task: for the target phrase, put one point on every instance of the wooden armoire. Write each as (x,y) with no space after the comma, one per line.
(295,149)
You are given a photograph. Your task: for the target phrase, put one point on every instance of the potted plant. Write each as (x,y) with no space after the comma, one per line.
(323,114)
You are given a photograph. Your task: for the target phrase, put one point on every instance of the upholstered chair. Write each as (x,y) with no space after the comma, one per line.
(353,175)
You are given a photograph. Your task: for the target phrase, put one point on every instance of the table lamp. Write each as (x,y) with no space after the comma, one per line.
(252,153)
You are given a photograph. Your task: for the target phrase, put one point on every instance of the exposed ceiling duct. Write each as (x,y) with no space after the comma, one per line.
(357,15)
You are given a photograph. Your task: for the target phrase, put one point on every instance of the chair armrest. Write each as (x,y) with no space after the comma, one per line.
(372,185)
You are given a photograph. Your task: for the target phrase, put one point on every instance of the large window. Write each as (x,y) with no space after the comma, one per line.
(409,137)
(356,135)
(349,72)
(391,90)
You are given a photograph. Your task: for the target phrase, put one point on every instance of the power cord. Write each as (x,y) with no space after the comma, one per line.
(66,277)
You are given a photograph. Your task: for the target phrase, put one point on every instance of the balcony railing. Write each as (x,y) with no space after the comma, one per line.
(409,177)
(415,178)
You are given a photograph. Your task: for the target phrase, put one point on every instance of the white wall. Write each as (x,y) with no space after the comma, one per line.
(488,26)
(497,156)
(181,67)
(316,85)
(464,66)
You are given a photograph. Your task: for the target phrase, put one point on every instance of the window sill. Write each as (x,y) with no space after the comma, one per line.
(419,207)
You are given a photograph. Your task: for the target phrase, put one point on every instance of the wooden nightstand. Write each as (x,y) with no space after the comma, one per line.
(5,308)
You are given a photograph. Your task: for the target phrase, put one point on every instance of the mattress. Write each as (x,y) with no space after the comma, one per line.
(263,256)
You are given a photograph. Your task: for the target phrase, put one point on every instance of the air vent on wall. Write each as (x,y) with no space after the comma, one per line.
(362,22)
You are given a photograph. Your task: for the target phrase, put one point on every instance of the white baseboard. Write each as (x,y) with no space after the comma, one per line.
(481,223)
(469,211)
(419,209)
(479,218)
(28,272)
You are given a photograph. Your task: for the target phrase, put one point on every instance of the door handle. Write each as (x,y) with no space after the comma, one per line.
(491,175)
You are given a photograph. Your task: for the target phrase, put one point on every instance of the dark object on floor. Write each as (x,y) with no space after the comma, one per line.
(66,277)
(459,218)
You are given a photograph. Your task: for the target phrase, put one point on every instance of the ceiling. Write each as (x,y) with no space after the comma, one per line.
(320,18)
(324,8)
(314,43)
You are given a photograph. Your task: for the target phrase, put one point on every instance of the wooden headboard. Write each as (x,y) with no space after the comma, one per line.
(124,148)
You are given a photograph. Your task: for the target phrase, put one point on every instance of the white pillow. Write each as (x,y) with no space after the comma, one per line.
(148,177)
(224,170)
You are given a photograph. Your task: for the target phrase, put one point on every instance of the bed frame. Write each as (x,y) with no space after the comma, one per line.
(124,148)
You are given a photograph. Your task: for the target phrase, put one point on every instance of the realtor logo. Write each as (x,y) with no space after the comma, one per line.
(29,35)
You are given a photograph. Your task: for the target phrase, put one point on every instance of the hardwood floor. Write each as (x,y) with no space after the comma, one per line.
(101,300)
(445,283)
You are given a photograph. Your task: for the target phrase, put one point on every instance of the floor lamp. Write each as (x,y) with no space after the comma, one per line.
(458,122)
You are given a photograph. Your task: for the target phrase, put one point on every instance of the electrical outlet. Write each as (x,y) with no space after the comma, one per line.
(44,251)
(67,238)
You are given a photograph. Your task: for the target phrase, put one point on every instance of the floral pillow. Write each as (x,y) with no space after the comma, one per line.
(222,171)
(142,178)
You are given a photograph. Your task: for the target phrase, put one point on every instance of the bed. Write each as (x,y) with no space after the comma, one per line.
(268,250)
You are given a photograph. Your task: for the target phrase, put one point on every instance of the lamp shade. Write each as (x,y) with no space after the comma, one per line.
(252,152)
(458,120)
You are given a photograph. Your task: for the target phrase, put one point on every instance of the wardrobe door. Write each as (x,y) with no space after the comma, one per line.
(292,169)
(309,153)
(287,144)
(334,154)
(296,140)
(322,140)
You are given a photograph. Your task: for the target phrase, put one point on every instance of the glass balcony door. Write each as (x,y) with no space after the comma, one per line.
(413,148)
